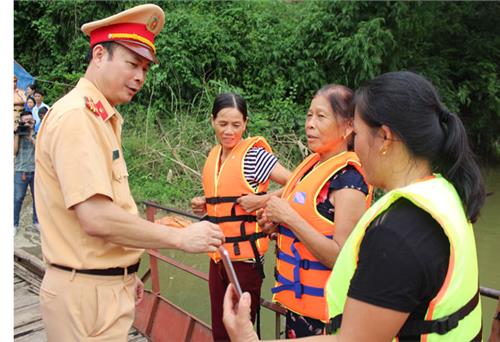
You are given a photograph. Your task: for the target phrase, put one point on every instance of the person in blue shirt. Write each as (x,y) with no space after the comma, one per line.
(38,104)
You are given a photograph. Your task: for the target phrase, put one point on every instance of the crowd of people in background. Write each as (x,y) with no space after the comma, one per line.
(29,111)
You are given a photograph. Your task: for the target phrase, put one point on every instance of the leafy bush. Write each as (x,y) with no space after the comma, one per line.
(276,54)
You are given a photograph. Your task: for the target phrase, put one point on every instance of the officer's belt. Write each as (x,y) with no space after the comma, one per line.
(114,271)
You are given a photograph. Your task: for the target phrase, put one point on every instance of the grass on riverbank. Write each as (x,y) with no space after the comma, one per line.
(166,152)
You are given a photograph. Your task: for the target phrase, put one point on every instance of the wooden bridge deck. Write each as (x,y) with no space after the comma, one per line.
(28,325)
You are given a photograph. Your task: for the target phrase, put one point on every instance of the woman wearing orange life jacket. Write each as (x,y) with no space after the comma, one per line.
(324,198)
(236,167)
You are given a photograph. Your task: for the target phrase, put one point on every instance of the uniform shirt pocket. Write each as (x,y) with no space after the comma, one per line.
(121,192)
(119,171)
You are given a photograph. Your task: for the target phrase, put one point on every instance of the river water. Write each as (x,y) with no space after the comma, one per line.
(191,293)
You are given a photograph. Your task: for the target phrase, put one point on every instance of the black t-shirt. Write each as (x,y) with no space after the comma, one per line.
(403,260)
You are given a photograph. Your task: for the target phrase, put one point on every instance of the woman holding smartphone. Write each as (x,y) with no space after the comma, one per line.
(409,269)
(236,167)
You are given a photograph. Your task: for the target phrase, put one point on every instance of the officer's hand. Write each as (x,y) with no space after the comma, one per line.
(201,237)
(199,205)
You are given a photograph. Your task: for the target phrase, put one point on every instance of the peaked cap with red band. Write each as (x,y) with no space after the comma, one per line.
(135,29)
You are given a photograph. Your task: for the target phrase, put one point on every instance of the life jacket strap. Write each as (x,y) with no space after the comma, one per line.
(255,250)
(298,262)
(250,237)
(227,199)
(231,218)
(221,199)
(302,263)
(333,324)
(442,325)
(289,233)
(420,327)
(297,287)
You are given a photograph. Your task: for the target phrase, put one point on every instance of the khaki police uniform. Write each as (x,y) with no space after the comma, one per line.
(88,291)
(19,99)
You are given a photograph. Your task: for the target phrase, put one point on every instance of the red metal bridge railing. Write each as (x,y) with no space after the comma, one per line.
(155,255)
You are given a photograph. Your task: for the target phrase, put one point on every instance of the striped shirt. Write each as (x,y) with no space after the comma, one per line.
(258,165)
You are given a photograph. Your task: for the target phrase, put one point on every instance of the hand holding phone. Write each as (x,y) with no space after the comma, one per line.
(228,265)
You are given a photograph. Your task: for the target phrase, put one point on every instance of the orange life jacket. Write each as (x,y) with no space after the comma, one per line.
(300,277)
(223,184)
(174,221)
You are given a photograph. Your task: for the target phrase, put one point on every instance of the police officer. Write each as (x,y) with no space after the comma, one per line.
(92,238)
(19,100)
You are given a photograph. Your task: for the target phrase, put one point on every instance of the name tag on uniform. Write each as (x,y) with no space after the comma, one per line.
(116,154)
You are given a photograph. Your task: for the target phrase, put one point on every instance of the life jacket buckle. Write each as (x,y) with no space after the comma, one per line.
(298,288)
(305,264)
(236,247)
(444,325)
(333,324)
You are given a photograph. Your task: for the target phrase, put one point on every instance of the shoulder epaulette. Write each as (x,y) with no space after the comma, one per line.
(96,108)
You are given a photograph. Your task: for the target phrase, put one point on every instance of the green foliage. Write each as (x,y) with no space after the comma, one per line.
(276,54)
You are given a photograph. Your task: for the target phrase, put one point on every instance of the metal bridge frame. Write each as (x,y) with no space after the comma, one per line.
(150,310)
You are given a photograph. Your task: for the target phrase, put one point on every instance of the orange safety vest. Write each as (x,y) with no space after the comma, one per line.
(300,277)
(223,185)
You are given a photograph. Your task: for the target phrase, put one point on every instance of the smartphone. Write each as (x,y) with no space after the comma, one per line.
(228,265)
